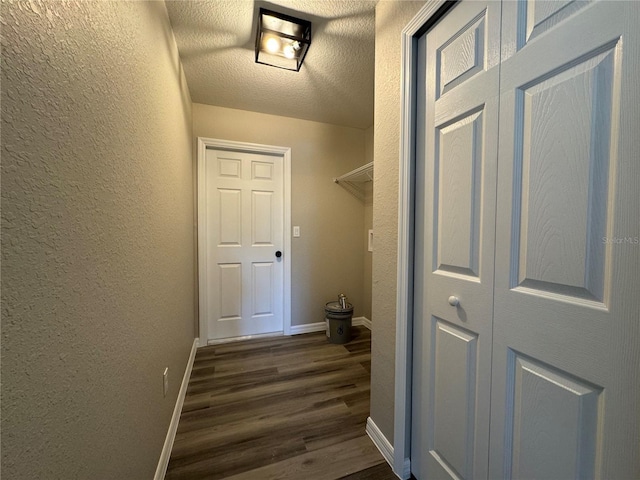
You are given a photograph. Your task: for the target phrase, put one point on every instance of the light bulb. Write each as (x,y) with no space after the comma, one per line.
(289,51)
(272,45)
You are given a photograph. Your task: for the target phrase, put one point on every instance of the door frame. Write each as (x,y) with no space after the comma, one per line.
(285,152)
(428,15)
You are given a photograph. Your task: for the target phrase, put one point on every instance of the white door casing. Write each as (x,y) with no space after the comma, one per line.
(243,220)
(566,343)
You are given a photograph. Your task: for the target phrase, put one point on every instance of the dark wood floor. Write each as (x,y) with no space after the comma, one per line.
(279,408)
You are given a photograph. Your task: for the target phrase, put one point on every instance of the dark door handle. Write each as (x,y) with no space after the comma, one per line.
(278,254)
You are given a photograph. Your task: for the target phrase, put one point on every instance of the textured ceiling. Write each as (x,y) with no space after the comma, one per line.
(335,84)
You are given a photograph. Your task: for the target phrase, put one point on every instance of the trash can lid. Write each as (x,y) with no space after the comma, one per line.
(334,307)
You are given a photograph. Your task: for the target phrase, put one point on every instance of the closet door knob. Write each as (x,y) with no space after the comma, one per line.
(454,301)
(278,254)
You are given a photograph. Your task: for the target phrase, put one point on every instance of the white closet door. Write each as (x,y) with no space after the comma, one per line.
(566,354)
(455,243)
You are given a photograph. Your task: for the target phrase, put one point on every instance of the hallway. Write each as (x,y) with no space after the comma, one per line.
(279,407)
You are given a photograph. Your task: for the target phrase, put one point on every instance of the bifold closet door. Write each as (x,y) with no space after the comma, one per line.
(556,338)
(566,353)
(455,222)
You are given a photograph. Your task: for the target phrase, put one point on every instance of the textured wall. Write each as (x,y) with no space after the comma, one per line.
(328,256)
(97,237)
(391,18)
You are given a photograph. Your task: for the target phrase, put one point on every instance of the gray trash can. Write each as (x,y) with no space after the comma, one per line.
(339,320)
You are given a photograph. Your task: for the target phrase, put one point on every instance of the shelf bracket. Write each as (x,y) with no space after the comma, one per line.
(354,180)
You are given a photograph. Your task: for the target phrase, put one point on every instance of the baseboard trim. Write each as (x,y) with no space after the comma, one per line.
(163,463)
(220,341)
(380,441)
(363,321)
(308,328)
(322,326)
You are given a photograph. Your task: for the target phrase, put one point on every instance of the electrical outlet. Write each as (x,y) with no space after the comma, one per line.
(165,382)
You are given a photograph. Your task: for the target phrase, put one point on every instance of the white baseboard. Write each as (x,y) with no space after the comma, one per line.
(163,463)
(380,441)
(322,326)
(386,449)
(243,338)
(364,321)
(308,328)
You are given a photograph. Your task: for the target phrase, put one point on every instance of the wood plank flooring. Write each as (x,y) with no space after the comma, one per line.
(279,408)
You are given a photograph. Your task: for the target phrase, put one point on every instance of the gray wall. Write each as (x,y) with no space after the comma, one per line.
(391,18)
(97,237)
(328,257)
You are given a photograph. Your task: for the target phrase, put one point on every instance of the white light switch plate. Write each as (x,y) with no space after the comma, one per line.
(296,231)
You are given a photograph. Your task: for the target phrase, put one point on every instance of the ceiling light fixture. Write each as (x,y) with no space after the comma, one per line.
(281,40)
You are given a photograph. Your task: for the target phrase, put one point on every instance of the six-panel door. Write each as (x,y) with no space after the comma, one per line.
(560,314)
(244,230)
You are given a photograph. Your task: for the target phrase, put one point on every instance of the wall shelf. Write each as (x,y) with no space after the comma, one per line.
(354,181)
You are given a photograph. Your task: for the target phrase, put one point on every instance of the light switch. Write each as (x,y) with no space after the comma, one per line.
(296,231)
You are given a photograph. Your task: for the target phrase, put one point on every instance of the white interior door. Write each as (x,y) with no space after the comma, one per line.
(244,211)
(455,224)
(562,305)
(566,354)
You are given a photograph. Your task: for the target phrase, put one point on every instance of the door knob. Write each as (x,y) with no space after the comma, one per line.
(278,254)
(454,301)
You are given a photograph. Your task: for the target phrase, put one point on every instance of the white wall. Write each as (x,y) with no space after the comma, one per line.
(97,237)
(328,257)
(391,18)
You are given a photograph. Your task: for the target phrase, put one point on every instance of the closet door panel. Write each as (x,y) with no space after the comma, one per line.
(566,333)
(455,244)
(552,412)
(563,136)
